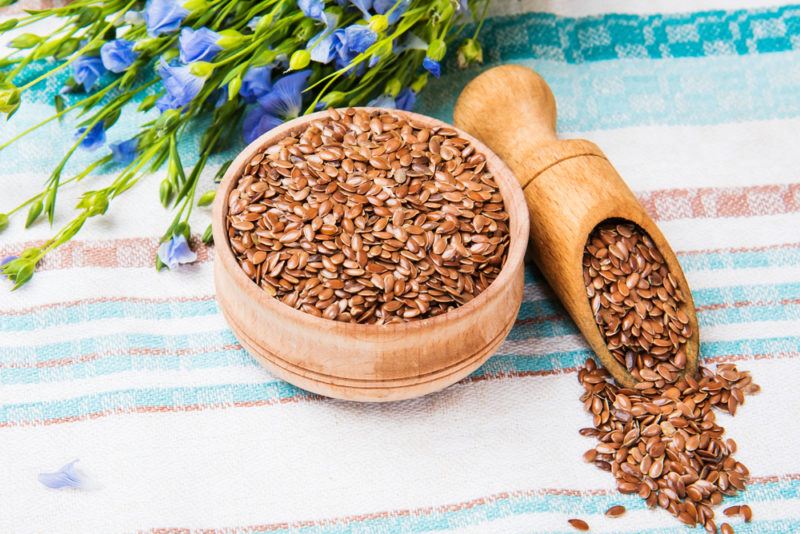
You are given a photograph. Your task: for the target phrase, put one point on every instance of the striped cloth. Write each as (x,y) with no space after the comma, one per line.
(136,373)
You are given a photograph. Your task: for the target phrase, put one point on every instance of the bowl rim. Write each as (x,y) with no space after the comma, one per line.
(509,188)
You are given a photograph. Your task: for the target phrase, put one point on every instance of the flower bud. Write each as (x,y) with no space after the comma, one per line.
(165,192)
(233,88)
(206,198)
(230,39)
(393,87)
(437,49)
(25,40)
(33,213)
(98,204)
(306,30)
(201,69)
(420,83)
(299,59)
(195,5)
(8,24)
(3,221)
(264,23)
(9,100)
(468,53)
(378,23)
(333,99)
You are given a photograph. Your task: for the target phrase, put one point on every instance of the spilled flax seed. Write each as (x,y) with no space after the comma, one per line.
(369,218)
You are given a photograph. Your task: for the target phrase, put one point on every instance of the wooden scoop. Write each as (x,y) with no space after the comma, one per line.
(570,187)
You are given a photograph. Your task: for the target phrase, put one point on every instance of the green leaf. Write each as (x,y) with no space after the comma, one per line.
(111,119)
(208,235)
(58,102)
(207,198)
(33,213)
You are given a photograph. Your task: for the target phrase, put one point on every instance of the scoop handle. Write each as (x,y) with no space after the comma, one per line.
(512,110)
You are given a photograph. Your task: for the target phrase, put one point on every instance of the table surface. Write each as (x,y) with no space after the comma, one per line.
(136,374)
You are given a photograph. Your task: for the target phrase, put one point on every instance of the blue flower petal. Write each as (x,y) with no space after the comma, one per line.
(125,151)
(8,259)
(359,37)
(198,45)
(406,99)
(432,66)
(180,84)
(66,477)
(163,16)
(385,101)
(87,70)
(256,83)
(382,6)
(258,122)
(118,55)
(94,139)
(285,100)
(312,8)
(364,6)
(176,252)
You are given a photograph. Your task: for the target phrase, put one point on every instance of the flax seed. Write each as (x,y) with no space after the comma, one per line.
(405,218)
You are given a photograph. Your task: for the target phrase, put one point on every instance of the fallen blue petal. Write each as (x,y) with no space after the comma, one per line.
(176,252)
(432,66)
(66,477)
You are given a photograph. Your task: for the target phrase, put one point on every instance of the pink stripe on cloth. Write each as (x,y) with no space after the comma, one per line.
(663,205)
(705,203)
(429,510)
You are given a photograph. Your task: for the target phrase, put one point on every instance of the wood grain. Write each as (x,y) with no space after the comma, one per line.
(570,187)
(370,362)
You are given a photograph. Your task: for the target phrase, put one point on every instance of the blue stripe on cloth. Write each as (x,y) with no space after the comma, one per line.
(674,92)
(618,36)
(483,511)
(177,398)
(165,310)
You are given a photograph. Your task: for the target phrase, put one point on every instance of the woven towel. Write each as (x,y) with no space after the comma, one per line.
(135,373)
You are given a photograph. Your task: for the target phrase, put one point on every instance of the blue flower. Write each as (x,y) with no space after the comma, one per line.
(383,101)
(198,45)
(163,16)
(257,122)
(359,37)
(283,102)
(312,8)
(8,259)
(432,66)
(117,55)
(406,99)
(181,86)
(323,46)
(176,252)
(364,6)
(66,477)
(94,139)
(87,70)
(256,83)
(125,151)
(382,6)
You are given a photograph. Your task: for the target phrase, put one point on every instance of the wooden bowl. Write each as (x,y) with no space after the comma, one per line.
(369,362)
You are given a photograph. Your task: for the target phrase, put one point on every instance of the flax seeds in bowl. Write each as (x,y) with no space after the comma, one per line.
(449,229)
(369,217)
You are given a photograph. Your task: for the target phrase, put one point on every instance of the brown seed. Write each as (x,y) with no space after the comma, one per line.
(747,513)
(726,528)
(381,206)
(579,524)
(615,511)
(731,511)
